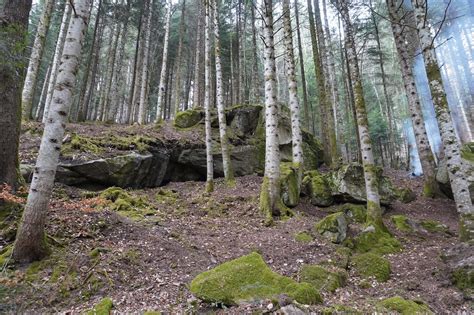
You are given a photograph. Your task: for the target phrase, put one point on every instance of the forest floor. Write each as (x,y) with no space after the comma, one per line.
(146,261)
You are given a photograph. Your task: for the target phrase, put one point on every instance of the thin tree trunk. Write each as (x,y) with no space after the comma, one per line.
(35,60)
(456,166)
(57,55)
(207,100)
(255,88)
(164,65)
(40,107)
(374,211)
(178,88)
(30,241)
(270,199)
(197,62)
(431,188)
(13,33)
(143,105)
(226,162)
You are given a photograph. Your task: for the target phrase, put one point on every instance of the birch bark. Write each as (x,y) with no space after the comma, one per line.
(207,99)
(164,65)
(30,241)
(142,108)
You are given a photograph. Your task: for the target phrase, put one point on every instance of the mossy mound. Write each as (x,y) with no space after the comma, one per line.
(372,265)
(121,201)
(434,226)
(248,278)
(405,195)
(5,255)
(166,196)
(102,308)
(316,186)
(322,279)
(338,309)
(463,279)
(356,213)
(303,237)
(10,214)
(376,240)
(333,227)
(404,307)
(401,223)
(290,192)
(188,118)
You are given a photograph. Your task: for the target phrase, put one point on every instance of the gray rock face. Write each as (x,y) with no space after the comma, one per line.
(460,261)
(243,119)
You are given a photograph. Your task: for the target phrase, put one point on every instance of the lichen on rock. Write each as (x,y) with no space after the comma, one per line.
(333,227)
(248,278)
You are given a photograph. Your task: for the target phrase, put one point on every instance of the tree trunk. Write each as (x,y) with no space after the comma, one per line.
(207,99)
(13,36)
(270,200)
(35,60)
(296,136)
(197,61)
(164,64)
(178,88)
(56,59)
(431,188)
(143,105)
(374,212)
(303,75)
(30,241)
(255,88)
(456,166)
(226,162)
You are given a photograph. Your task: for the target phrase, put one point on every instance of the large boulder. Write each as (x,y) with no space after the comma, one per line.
(243,119)
(460,262)
(333,227)
(188,118)
(249,279)
(316,187)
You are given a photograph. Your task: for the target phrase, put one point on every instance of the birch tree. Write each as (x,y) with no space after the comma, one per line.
(270,199)
(35,60)
(178,86)
(296,136)
(430,188)
(456,166)
(374,211)
(13,29)
(142,108)
(226,161)
(56,59)
(30,241)
(207,99)
(164,64)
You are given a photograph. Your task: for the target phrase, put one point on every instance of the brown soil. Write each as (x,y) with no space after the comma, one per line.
(147,265)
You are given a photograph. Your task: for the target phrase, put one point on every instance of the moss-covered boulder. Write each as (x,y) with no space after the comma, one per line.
(102,308)
(338,309)
(376,240)
(316,186)
(290,192)
(372,265)
(243,119)
(354,212)
(403,306)
(460,262)
(323,279)
(248,278)
(333,227)
(188,118)
(303,237)
(121,201)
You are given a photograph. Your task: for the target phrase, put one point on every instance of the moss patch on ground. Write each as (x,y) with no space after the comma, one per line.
(303,237)
(401,223)
(121,201)
(248,278)
(102,308)
(404,307)
(323,279)
(372,265)
(338,309)
(377,240)
(434,226)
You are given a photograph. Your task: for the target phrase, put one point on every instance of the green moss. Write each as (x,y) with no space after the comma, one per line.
(434,226)
(404,307)
(333,227)
(357,213)
(303,237)
(405,195)
(343,255)
(289,189)
(372,265)
(317,188)
(152,313)
(166,196)
(339,309)
(96,252)
(248,278)
(463,279)
(467,152)
(377,240)
(102,308)
(80,143)
(135,208)
(401,223)
(466,227)
(322,279)
(5,255)
(188,118)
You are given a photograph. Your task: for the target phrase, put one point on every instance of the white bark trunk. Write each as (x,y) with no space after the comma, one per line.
(30,244)
(164,64)
(197,62)
(57,55)
(207,100)
(297,149)
(35,60)
(226,162)
(270,202)
(456,166)
(143,99)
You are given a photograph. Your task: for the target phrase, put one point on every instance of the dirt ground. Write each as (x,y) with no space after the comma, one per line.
(147,264)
